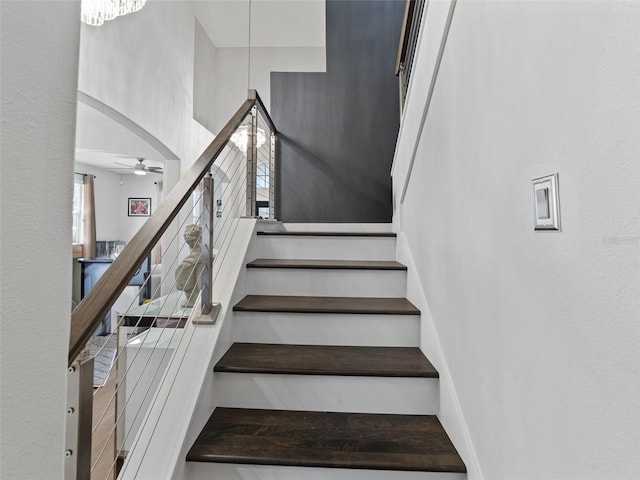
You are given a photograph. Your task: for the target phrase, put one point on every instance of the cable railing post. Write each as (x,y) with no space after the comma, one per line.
(252,163)
(207,247)
(79,419)
(208,307)
(272,177)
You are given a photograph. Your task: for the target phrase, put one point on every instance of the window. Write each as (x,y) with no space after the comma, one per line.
(262,209)
(198,204)
(262,175)
(77,212)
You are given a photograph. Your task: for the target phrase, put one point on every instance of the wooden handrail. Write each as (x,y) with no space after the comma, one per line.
(90,312)
(263,110)
(405,33)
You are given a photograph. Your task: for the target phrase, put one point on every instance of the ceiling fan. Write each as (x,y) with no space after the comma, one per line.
(140,168)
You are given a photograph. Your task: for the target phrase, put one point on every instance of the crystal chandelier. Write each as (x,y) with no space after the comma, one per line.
(96,12)
(241,138)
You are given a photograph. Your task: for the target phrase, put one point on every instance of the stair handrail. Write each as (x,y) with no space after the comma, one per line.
(409,32)
(405,33)
(89,313)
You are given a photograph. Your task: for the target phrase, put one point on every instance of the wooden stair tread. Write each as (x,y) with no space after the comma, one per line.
(326,360)
(326,264)
(305,304)
(328,234)
(321,439)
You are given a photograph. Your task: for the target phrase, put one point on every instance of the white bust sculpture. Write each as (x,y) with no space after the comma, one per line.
(190,269)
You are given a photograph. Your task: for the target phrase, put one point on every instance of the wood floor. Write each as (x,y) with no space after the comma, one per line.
(103,436)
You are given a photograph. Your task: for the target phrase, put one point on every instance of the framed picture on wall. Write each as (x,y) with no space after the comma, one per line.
(139,207)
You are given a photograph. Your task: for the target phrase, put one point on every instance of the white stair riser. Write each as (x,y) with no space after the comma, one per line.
(329,393)
(230,471)
(327,329)
(326,248)
(338,283)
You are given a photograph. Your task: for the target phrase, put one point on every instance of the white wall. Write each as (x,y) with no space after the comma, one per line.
(285,37)
(274,23)
(39,74)
(106,194)
(135,186)
(231,69)
(205,88)
(111,194)
(142,66)
(102,133)
(539,330)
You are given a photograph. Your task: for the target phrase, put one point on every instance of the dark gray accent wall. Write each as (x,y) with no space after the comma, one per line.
(338,129)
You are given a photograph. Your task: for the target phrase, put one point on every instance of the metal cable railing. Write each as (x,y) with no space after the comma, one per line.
(235,193)
(206,205)
(131,321)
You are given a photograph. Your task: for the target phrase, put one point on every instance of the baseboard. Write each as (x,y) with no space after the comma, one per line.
(451,414)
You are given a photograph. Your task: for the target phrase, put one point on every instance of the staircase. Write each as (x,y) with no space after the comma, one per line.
(325,379)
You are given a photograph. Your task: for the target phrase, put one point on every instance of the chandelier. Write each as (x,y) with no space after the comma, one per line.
(96,12)
(241,138)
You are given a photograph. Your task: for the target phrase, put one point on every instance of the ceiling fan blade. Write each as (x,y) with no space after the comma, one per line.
(155,169)
(123,164)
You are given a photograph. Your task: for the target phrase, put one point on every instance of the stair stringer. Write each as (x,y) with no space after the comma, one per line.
(451,414)
(187,395)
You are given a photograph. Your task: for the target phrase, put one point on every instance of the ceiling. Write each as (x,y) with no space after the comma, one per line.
(112,162)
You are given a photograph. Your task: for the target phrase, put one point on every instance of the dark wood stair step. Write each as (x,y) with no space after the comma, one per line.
(321,439)
(327,264)
(304,304)
(326,360)
(329,234)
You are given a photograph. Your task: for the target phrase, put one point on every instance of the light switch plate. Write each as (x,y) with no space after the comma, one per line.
(546,203)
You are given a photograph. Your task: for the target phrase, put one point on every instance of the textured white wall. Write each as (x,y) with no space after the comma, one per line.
(539,330)
(39,75)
